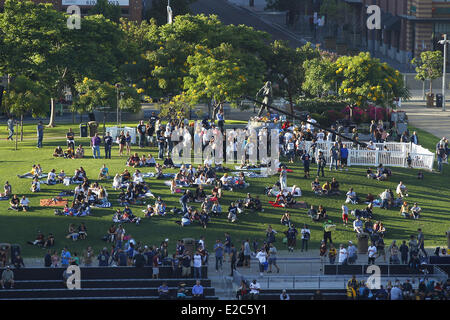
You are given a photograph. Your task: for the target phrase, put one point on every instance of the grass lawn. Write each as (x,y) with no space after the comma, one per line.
(432,194)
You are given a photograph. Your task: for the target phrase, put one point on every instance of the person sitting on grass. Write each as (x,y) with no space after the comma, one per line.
(351,197)
(379,228)
(149,212)
(104,173)
(200,194)
(39,240)
(286,219)
(133,161)
(35,185)
(125,176)
(7,190)
(58,152)
(160,207)
(25,203)
(281,199)
(334,188)
(61,176)
(69,153)
(79,153)
(326,188)
(117,182)
(415,211)
(315,186)
(404,210)
(232,213)
(216,208)
(50,241)
(168,163)
(321,214)
(73,233)
(370,174)
(290,202)
(14,203)
(382,174)
(358,225)
(82,231)
(51,177)
(401,190)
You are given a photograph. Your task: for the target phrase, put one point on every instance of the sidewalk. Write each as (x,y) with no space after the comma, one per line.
(432,120)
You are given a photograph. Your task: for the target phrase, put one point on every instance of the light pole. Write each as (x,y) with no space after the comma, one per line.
(444,42)
(117,92)
(169,13)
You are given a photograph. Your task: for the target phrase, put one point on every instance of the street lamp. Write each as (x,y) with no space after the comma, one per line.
(169,13)
(444,42)
(117,85)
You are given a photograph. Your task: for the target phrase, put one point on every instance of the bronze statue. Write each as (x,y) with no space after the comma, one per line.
(266,92)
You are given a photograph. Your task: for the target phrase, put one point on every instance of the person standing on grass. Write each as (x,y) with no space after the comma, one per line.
(11,123)
(227,245)
(306,235)
(95,144)
(108,140)
(141,130)
(321,163)
(40,134)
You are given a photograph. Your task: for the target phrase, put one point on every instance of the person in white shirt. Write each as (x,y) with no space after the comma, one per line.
(35,185)
(351,197)
(320,135)
(343,255)
(197,265)
(401,190)
(116,182)
(24,203)
(309,125)
(371,251)
(358,225)
(306,235)
(137,177)
(255,288)
(51,177)
(262,257)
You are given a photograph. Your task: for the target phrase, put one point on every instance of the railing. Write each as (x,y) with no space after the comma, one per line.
(394,156)
(335,282)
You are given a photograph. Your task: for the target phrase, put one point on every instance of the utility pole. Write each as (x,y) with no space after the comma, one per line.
(444,42)
(169,13)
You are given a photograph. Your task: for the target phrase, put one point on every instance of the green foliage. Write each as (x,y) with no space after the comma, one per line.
(429,66)
(23,96)
(363,79)
(108,10)
(287,71)
(320,105)
(319,77)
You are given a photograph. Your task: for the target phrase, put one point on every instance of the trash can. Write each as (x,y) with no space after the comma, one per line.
(83,130)
(189,245)
(439,99)
(363,242)
(430,100)
(15,251)
(93,125)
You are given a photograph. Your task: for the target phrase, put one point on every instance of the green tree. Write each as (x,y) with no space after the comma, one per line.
(222,74)
(320,77)
(109,10)
(429,66)
(286,70)
(363,79)
(25,96)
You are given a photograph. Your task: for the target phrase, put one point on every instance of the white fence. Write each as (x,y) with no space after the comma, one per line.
(394,155)
(115,132)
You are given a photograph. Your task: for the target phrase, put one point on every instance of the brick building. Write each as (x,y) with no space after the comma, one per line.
(131,9)
(408,27)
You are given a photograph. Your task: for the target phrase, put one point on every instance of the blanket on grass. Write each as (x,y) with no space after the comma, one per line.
(54,202)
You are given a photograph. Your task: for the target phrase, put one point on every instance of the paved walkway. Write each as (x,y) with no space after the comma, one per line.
(432,120)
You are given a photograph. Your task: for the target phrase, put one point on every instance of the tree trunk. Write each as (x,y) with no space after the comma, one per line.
(21,128)
(431,85)
(51,124)
(215,110)
(292,107)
